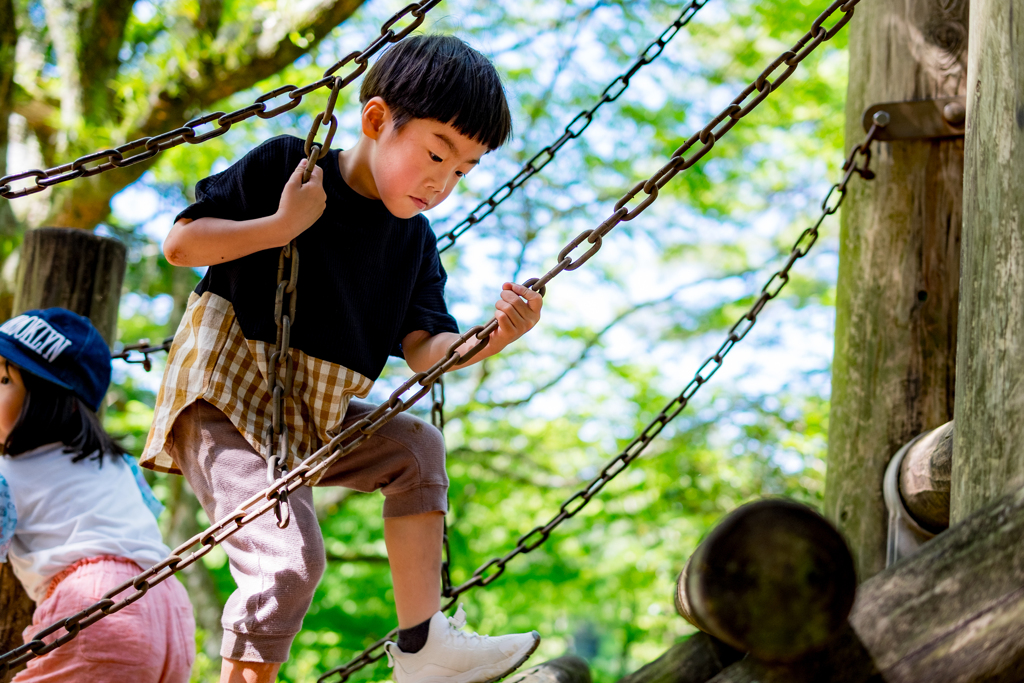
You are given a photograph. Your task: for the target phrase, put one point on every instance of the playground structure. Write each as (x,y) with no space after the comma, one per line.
(952,609)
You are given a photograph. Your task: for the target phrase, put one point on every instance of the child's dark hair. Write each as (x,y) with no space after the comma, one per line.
(442,78)
(51,413)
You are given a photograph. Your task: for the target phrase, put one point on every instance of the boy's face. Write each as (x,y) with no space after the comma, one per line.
(417,167)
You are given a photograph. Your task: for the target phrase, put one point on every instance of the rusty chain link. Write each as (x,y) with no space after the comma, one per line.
(349,439)
(118,157)
(437,419)
(572,130)
(144,348)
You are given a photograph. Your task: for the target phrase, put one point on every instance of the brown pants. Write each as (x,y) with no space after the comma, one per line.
(277,570)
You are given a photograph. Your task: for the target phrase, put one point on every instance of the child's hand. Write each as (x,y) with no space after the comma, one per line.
(515,316)
(301,205)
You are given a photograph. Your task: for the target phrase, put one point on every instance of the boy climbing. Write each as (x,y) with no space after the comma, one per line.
(372,286)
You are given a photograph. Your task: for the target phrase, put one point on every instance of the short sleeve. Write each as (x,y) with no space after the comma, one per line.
(148,497)
(8,518)
(249,188)
(427,310)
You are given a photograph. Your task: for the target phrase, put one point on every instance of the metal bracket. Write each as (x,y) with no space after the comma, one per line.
(919,119)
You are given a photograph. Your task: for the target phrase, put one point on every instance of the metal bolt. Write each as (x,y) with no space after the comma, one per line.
(955,113)
(881,118)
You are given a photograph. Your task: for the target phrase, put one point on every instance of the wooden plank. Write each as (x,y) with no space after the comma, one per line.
(899,255)
(989,446)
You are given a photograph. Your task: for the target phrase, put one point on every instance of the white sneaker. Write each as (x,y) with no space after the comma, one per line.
(455,656)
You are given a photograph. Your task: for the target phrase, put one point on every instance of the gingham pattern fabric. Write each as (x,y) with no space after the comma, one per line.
(210,359)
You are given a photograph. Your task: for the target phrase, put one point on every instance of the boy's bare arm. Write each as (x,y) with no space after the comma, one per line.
(517,312)
(208,241)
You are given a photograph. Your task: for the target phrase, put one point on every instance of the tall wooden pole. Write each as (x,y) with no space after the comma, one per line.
(988,451)
(899,255)
(82,272)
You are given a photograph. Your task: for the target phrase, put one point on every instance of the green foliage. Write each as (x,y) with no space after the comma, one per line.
(632,326)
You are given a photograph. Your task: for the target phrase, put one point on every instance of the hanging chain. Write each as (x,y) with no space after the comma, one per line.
(491,570)
(572,131)
(437,419)
(348,440)
(148,147)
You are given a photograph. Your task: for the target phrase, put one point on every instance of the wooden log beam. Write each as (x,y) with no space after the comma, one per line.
(925,478)
(899,256)
(694,660)
(989,447)
(952,613)
(82,272)
(774,579)
(566,669)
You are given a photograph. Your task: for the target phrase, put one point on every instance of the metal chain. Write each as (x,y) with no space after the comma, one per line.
(349,439)
(142,347)
(491,570)
(437,419)
(573,130)
(149,147)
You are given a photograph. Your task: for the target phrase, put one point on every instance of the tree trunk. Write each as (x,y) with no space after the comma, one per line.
(774,579)
(694,660)
(899,256)
(952,613)
(82,272)
(990,367)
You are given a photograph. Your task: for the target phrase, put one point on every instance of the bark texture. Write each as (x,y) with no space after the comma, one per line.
(694,660)
(952,613)
(899,256)
(989,446)
(83,273)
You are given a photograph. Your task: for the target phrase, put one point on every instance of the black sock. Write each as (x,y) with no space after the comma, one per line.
(413,639)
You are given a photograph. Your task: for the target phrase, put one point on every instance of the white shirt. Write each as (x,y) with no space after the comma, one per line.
(66,511)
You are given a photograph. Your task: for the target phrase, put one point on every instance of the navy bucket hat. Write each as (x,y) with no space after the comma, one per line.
(61,347)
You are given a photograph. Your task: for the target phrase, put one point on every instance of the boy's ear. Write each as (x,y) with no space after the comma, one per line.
(376,114)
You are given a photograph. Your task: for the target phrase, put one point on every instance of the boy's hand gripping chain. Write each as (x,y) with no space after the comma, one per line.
(345,442)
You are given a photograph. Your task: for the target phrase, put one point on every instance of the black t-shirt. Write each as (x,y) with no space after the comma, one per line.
(366,278)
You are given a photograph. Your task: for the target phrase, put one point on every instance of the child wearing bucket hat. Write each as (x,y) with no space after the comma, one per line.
(76,516)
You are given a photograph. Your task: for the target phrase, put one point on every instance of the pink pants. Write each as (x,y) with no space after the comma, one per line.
(150,641)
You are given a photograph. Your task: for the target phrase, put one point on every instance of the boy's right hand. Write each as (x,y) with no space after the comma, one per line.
(301,205)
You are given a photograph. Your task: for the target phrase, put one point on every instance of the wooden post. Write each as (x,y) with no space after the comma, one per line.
(988,452)
(899,255)
(74,269)
(774,579)
(82,272)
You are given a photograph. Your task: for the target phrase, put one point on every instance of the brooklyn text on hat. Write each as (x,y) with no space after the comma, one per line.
(36,334)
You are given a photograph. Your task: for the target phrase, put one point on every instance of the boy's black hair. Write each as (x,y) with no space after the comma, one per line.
(441,78)
(51,413)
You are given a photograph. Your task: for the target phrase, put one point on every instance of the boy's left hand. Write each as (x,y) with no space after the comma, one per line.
(518,310)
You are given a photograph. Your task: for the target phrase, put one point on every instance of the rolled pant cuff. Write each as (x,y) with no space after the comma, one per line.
(258,648)
(416,501)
